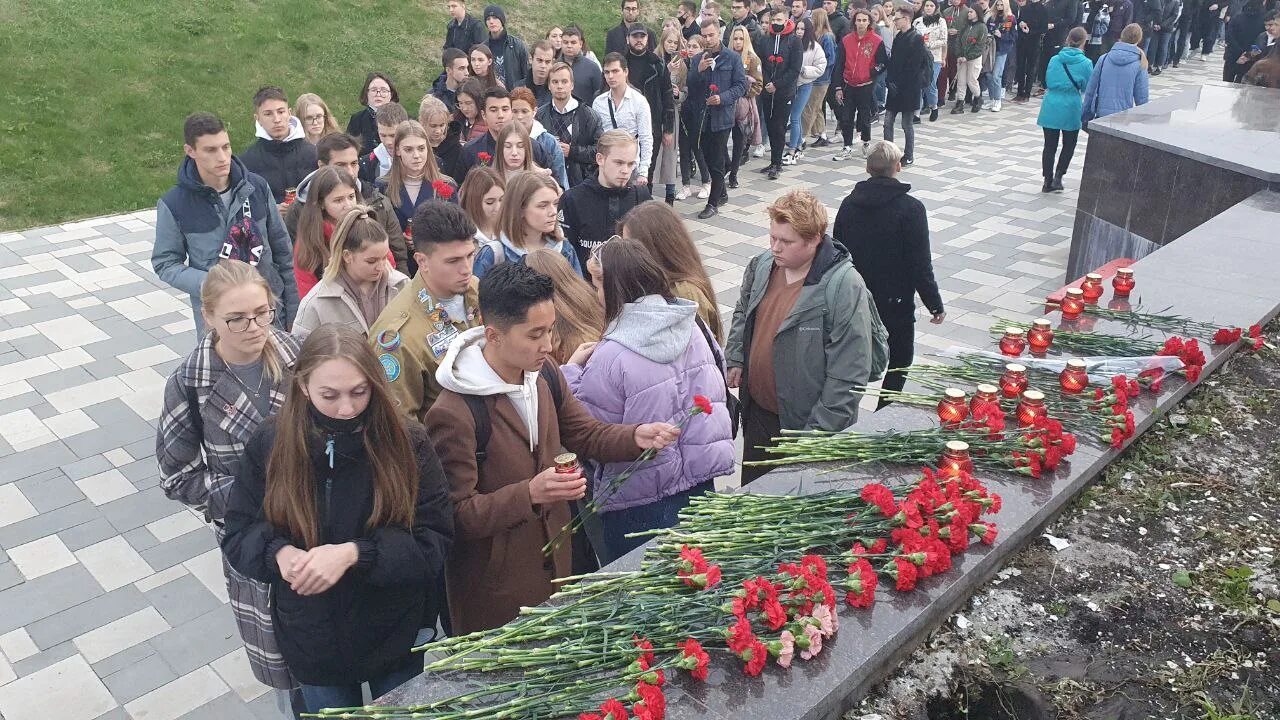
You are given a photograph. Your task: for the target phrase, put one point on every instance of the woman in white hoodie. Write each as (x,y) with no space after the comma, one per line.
(358,281)
(812,66)
(933,30)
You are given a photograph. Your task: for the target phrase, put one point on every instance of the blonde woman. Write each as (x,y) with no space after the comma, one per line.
(414,177)
(746,113)
(316,119)
(814,118)
(213,403)
(579,316)
(358,281)
(530,219)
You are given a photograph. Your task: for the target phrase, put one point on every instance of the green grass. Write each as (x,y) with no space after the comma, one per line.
(93,92)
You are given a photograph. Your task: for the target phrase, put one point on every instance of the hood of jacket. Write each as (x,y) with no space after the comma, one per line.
(366,192)
(878,192)
(1124,53)
(654,328)
(1074,57)
(787,29)
(295,133)
(465,371)
(557,245)
(189,176)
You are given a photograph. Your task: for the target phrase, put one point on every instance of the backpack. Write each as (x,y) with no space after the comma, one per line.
(480,411)
(879,335)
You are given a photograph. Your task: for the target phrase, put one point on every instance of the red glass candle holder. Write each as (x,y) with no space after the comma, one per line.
(1031,408)
(1014,380)
(1073,304)
(1040,336)
(1074,378)
(986,396)
(1091,287)
(1123,282)
(955,458)
(1013,342)
(952,409)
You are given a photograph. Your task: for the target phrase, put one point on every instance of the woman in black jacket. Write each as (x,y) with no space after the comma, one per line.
(344,512)
(378,90)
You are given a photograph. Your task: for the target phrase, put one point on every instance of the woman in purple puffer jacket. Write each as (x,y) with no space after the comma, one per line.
(653,358)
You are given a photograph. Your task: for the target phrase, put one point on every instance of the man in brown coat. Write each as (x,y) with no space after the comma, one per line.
(509,501)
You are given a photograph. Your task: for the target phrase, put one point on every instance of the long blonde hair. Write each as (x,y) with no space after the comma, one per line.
(514,127)
(748,50)
(357,229)
(306,100)
(229,274)
(395,176)
(579,317)
(521,187)
(821,24)
(290,499)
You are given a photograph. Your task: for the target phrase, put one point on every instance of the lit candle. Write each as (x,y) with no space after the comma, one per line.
(1091,287)
(1040,337)
(1074,378)
(952,409)
(1031,408)
(955,458)
(985,397)
(1123,282)
(1073,304)
(1013,342)
(1014,380)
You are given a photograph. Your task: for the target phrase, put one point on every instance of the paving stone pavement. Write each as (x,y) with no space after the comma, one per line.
(112,600)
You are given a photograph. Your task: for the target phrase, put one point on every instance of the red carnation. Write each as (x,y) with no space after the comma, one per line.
(1117,437)
(905,573)
(694,659)
(645,647)
(882,497)
(484,157)
(712,87)
(1255,330)
(1258,342)
(756,656)
(1224,337)
(740,635)
(652,705)
(984,530)
(1068,443)
(861,583)
(443,190)
(702,404)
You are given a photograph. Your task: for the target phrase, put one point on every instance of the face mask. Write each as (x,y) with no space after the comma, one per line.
(779,27)
(335,425)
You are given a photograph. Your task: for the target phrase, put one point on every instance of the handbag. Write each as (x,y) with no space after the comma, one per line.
(731,403)
(1089,113)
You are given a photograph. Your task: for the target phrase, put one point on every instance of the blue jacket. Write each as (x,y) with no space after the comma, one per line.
(193,228)
(1067,77)
(731,83)
(829,47)
(1118,83)
(488,255)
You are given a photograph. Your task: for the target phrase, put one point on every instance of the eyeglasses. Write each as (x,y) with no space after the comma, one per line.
(379,91)
(313,118)
(241,324)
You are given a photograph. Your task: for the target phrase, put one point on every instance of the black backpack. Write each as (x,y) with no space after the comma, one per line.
(480,411)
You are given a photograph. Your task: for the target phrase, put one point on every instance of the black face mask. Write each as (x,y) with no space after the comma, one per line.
(335,425)
(779,27)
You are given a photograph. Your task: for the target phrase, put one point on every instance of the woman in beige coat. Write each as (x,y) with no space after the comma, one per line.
(358,282)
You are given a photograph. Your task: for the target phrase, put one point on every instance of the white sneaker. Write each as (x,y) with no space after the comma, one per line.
(995,106)
(704,192)
(684,193)
(866,149)
(758,151)
(789,159)
(844,153)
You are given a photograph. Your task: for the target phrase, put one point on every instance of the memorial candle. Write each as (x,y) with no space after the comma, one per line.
(1013,342)
(1031,408)
(1040,337)
(1074,378)
(1014,380)
(955,458)
(1091,287)
(986,397)
(952,409)
(1073,304)
(1123,282)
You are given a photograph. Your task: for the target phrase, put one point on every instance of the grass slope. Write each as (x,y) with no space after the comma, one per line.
(93,92)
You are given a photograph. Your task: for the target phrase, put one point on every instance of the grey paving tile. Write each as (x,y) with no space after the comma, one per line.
(198,642)
(86,615)
(141,539)
(82,469)
(34,279)
(109,367)
(44,659)
(34,346)
(60,380)
(9,575)
(143,448)
(98,312)
(48,523)
(134,681)
(123,659)
(133,511)
(46,595)
(224,707)
(86,534)
(50,490)
(139,470)
(112,427)
(179,549)
(37,460)
(184,599)
(20,402)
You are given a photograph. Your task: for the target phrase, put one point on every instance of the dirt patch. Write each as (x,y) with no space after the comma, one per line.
(1164,604)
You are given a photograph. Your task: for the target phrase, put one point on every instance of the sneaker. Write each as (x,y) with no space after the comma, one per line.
(732,182)
(684,193)
(704,192)
(799,154)
(844,153)
(1038,93)
(707,212)
(822,141)
(789,159)
(757,151)
(908,161)
(915,119)
(995,106)
(1175,63)
(1048,185)
(1204,58)
(866,148)
(933,115)
(987,105)
(772,172)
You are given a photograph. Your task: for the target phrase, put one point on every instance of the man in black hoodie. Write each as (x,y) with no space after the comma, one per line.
(887,234)
(463,31)
(510,55)
(281,154)
(575,124)
(1033,23)
(780,59)
(590,211)
(649,74)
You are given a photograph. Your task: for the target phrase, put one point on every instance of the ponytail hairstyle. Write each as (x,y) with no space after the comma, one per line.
(290,499)
(230,274)
(357,229)
(395,176)
(310,249)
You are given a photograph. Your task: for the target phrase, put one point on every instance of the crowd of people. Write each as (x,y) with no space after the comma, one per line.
(402,326)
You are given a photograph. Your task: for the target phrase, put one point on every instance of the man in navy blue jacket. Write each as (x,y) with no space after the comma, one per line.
(716,81)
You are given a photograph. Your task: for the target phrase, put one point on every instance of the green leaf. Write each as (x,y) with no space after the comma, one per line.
(1244,572)
(1274,606)
(1182,579)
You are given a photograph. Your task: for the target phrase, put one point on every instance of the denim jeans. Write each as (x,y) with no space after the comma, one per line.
(908,127)
(797,114)
(1163,44)
(931,87)
(319,697)
(658,514)
(882,90)
(995,81)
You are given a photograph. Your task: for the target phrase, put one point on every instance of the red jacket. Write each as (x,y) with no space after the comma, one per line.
(860,57)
